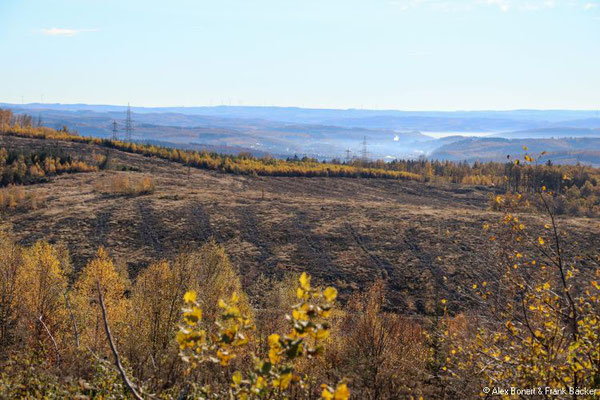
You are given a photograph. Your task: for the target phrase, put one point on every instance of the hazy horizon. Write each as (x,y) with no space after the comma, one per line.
(597,109)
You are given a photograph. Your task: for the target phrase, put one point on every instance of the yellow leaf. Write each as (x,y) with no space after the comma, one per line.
(341,392)
(540,240)
(190,297)
(274,340)
(224,356)
(322,334)
(274,356)
(260,383)
(330,294)
(305,281)
(285,380)
(299,314)
(326,394)
(237,378)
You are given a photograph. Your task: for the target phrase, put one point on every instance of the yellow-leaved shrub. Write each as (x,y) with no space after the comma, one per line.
(42,283)
(113,283)
(273,376)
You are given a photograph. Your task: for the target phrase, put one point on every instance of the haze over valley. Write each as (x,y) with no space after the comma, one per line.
(325,134)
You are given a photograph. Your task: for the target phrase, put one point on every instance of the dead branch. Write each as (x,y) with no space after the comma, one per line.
(51,338)
(113,348)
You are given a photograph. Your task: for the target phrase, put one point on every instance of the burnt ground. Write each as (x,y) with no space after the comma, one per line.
(426,241)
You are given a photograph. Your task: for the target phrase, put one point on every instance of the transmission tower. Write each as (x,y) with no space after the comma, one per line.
(128,124)
(364,152)
(114,131)
(348,158)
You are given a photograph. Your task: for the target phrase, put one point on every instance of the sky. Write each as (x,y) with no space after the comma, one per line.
(372,54)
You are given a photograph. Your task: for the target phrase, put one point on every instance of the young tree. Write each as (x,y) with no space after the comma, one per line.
(113,283)
(42,282)
(156,300)
(209,272)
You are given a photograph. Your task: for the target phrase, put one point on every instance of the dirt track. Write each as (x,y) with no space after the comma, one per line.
(425,241)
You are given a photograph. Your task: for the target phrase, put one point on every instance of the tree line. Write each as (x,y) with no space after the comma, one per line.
(577,186)
(27,167)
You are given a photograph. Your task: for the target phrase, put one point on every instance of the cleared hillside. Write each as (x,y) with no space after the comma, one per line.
(426,241)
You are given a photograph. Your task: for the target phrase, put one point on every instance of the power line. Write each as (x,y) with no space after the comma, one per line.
(364,152)
(128,124)
(114,131)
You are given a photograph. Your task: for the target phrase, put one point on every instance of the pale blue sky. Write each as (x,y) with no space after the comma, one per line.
(379,54)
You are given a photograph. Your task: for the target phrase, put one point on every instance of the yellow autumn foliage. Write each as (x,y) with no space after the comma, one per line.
(42,283)
(113,283)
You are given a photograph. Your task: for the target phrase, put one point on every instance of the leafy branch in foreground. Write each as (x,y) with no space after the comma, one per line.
(274,375)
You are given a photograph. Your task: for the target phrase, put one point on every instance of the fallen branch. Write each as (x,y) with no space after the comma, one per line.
(114,349)
(51,338)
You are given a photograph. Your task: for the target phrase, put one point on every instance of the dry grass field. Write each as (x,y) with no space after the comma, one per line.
(426,241)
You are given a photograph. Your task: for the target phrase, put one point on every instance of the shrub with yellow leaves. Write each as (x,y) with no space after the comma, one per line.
(197,344)
(544,329)
(42,281)
(113,281)
(273,376)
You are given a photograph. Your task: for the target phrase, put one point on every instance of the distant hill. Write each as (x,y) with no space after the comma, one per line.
(557,132)
(482,120)
(449,123)
(583,123)
(566,151)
